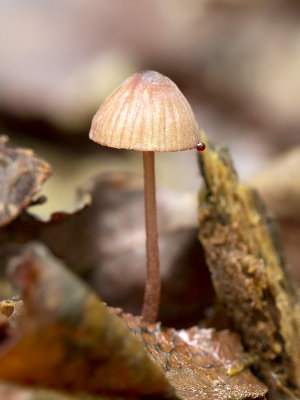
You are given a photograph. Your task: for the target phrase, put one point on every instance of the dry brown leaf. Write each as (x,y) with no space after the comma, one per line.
(199,363)
(11,313)
(68,340)
(21,177)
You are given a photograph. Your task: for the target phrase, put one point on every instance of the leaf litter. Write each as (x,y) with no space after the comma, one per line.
(60,341)
(69,340)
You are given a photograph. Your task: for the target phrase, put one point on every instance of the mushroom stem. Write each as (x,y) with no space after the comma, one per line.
(152,288)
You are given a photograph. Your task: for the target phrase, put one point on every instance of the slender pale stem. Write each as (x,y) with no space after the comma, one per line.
(152,288)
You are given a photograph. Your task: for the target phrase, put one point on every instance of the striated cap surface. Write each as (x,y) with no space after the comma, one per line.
(147,113)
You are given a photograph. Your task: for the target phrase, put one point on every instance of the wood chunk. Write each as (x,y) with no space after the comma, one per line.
(243,253)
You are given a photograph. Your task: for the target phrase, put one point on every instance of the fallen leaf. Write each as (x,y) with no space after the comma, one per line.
(68,340)
(199,363)
(21,177)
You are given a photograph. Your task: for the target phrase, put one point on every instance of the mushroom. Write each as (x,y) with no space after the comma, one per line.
(147,113)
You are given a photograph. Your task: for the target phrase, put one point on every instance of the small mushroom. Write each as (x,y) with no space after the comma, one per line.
(147,113)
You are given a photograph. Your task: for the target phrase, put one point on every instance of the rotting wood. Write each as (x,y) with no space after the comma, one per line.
(243,253)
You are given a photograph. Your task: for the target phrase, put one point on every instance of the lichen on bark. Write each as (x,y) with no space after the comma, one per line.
(244,256)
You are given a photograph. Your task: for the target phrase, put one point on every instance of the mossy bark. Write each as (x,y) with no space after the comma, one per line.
(243,253)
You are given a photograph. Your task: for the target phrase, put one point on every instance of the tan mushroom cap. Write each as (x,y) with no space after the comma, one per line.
(147,113)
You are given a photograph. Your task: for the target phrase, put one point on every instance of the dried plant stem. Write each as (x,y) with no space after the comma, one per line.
(152,288)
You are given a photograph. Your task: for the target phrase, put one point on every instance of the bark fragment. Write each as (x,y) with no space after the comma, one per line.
(243,253)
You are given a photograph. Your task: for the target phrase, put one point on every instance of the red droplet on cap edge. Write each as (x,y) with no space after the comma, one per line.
(200,147)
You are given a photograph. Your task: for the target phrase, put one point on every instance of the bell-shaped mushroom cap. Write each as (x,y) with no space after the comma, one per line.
(147,113)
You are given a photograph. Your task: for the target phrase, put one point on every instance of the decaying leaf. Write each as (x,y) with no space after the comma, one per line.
(69,341)
(199,363)
(21,177)
(243,253)
(11,313)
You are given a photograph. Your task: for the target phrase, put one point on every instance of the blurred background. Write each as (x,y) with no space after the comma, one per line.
(237,62)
